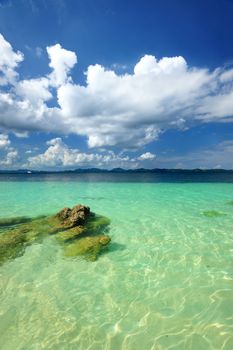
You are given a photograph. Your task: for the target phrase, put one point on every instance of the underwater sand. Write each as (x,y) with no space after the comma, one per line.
(166,281)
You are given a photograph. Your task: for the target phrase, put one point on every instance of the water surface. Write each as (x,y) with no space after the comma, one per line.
(165,283)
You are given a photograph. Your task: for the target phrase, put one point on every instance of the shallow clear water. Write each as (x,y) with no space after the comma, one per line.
(165,283)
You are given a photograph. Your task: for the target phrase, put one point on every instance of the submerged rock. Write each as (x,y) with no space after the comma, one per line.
(71,233)
(89,246)
(16,237)
(213,213)
(12,244)
(97,223)
(14,220)
(78,230)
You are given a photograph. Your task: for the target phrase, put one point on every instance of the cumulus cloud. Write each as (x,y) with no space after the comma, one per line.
(61,62)
(148,64)
(8,154)
(58,154)
(9,60)
(34,91)
(147,156)
(10,157)
(110,109)
(4,141)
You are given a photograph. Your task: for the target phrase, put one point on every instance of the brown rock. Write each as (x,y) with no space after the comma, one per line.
(64,213)
(75,216)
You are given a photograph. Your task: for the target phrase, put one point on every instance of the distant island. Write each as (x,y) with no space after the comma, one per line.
(115,170)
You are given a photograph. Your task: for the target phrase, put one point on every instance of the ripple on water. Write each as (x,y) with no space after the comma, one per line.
(165,283)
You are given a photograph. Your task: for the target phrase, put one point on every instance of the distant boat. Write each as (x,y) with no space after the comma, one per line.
(29,172)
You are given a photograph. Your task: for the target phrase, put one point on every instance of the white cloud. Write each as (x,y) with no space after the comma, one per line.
(10,157)
(124,110)
(4,141)
(9,60)
(34,91)
(168,65)
(147,156)
(61,61)
(58,154)
(218,107)
(8,154)
(227,76)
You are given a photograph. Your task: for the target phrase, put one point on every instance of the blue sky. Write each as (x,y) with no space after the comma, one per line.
(116,83)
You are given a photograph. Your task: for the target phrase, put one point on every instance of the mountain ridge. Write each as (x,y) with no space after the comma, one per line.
(114,170)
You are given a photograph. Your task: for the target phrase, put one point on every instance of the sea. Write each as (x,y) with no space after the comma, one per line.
(165,281)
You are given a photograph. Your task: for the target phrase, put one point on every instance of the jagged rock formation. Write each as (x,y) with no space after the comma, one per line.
(76,216)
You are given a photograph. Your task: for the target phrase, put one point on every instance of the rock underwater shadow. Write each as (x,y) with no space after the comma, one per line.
(78,230)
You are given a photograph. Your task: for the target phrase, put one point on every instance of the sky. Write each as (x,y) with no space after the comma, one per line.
(111,83)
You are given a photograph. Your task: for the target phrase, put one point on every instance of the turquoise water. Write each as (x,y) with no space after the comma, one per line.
(165,283)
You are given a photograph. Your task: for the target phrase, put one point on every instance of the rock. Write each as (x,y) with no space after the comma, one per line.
(12,245)
(90,247)
(73,217)
(93,225)
(104,240)
(97,223)
(71,233)
(15,238)
(14,221)
(64,214)
(78,230)
(213,213)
